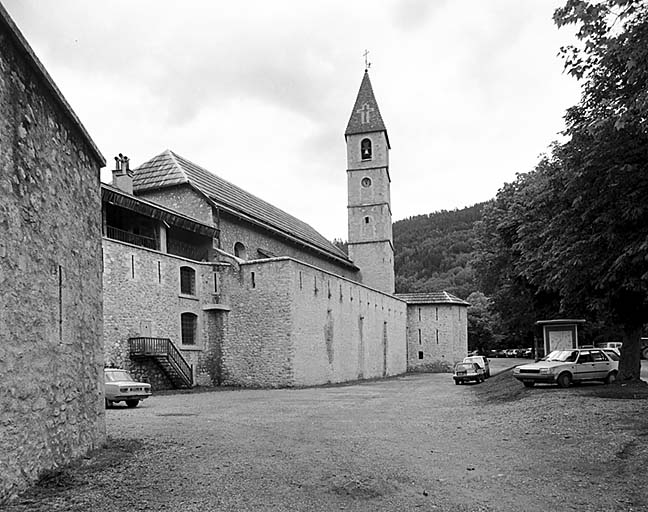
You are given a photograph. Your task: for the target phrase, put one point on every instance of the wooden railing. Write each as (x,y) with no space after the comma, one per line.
(162,347)
(131,238)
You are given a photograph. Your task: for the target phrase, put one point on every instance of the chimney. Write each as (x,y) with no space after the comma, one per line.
(122,175)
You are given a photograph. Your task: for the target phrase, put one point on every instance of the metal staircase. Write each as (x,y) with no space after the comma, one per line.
(166,355)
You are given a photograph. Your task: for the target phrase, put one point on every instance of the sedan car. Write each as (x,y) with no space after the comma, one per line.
(466,372)
(566,366)
(120,387)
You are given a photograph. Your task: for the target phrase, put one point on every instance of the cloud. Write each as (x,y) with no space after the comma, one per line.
(414,14)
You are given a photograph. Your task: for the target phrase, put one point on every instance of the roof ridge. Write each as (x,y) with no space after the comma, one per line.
(177,164)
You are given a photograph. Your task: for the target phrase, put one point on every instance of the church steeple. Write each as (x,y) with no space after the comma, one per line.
(369,205)
(365,116)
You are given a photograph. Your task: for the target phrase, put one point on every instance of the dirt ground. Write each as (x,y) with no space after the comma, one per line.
(416,442)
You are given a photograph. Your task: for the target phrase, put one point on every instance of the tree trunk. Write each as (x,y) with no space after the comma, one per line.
(630,363)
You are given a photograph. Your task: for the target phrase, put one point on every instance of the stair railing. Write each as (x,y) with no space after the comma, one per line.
(162,347)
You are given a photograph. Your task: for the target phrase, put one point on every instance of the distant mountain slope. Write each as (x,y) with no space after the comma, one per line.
(434,251)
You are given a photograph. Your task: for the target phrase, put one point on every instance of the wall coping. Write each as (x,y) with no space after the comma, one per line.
(174,256)
(304,264)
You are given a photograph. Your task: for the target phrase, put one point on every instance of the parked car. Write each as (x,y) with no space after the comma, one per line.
(481,361)
(466,372)
(644,348)
(610,344)
(511,352)
(612,353)
(120,387)
(566,366)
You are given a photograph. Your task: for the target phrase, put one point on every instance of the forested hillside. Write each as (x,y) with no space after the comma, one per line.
(435,251)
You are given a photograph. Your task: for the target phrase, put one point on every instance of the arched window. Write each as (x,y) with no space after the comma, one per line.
(188,324)
(239,250)
(187,281)
(365,149)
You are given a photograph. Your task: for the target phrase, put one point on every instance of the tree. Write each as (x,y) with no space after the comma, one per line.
(596,249)
(480,323)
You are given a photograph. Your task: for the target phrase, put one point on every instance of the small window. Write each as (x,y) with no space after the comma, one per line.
(420,354)
(239,250)
(187,281)
(365,149)
(367,220)
(365,182)
(188,322)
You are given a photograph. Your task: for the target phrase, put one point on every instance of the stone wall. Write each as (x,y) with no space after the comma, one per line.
(258,350)
(51,364)
(437,336)
(344,331)
(292,324)
(142,297)
(189,202)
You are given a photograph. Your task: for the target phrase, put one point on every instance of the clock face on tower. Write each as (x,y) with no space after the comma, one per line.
(366,182)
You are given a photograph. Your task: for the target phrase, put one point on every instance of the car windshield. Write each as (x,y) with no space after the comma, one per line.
(464,366)
(117,376)
(562,355)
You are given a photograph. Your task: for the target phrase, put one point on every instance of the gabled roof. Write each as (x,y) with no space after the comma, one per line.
(170,169)
(432,298)
(40,70)
(365,116)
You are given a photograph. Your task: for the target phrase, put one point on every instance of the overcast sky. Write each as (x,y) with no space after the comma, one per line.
(260,92)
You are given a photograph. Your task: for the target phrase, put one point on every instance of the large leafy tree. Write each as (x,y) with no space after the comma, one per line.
(596,249)
(577,226)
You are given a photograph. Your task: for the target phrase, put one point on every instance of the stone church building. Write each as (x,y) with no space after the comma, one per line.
(207,284)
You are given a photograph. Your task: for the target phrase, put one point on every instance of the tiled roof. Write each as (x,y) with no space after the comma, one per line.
(431,298)
(365,116)
(169,169)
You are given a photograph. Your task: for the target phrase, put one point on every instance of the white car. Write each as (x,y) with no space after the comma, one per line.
(120,387)
(481,361)
(566,366)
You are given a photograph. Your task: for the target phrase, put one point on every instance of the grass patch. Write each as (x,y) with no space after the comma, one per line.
(628,390)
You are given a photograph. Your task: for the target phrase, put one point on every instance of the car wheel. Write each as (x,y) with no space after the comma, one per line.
(564,380)
(528,384)
(611,377)
(132,403)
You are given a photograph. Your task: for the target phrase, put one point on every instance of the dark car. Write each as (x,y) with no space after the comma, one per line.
(468,372)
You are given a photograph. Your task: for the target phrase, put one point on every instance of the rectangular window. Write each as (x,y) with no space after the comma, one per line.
(419,314)
(188,325)
(437,336)
(159,272)
(215,282)
(252,276)
(437,313)
(419,333)
(187,281)
(420,354)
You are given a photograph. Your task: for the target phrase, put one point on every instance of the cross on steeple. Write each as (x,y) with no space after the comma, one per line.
(365,113)
(367,63)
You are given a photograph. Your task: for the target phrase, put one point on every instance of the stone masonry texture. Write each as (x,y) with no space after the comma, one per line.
(185,200)
(437,336)
(51,364)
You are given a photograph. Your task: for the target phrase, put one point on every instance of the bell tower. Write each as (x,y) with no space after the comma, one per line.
(371,245)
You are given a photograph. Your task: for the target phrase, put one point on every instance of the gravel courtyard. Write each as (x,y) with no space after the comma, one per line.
(416,442)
